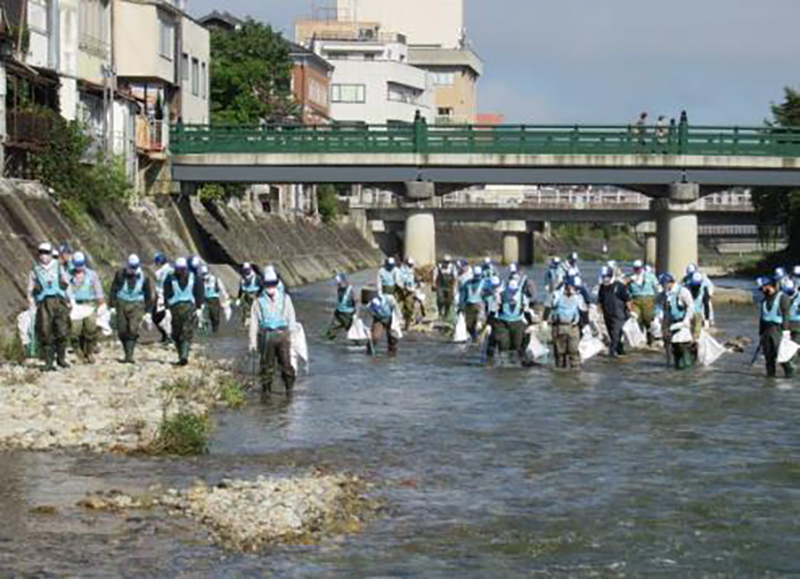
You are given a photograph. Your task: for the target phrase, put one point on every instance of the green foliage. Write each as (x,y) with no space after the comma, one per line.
(328,203)
(211,193)
(184,434)
(250,75)
(231,392)
(77,184)
(777,207)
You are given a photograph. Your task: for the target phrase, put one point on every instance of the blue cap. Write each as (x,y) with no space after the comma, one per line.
(160,259)
(666,278)
(341,278)
(79,260)
(789,287)
(763,281)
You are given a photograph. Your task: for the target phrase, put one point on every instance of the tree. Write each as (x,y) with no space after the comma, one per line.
(250,75)
(776,207)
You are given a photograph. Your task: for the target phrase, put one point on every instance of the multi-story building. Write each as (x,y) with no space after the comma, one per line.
(436,36)
(311,85)
(372,81)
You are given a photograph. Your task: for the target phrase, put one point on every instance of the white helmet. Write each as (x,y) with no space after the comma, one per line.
(410,261)
(270,277)
(180,263)
(45,247)
(638,264)
(477,270)
(134,262)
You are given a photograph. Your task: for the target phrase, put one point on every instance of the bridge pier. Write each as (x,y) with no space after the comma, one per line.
(677,229)
(517,242)
(650,250)
(419,241)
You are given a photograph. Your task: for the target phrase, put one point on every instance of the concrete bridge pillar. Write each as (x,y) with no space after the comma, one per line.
(517,242)
(420,227)
(677,229)
(650,250)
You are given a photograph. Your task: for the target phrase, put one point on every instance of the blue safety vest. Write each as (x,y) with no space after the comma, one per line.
(182,295)
(211,287)
(161,276)
(387,278)
(647,288)
(250,284)
(407,275)
(271,315)
(135,294)
(794,310)
(511,306)
(50,282)
(473,291)
(84,292)
(772,315)
(346,304)
(677,310)
(567,309)
(699,308)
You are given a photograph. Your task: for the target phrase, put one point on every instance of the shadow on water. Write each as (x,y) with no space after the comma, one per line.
(625,468)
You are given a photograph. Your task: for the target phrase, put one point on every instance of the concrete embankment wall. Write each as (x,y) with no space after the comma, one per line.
(303,250)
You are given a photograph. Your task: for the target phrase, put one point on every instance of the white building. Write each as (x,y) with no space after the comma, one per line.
(372,81)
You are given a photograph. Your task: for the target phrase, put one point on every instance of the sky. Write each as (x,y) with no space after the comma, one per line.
(605,61)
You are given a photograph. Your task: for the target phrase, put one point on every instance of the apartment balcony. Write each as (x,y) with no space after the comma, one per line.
(27,130)
(151,137)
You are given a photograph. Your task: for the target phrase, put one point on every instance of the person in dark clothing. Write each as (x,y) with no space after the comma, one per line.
(584,292)
(613,300)
(345,311)
(132,296)
(774,321)
(184,294)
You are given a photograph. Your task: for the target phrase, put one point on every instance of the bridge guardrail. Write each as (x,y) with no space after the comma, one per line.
(419,138)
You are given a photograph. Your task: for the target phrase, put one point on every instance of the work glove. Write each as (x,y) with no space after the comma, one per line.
(238,303)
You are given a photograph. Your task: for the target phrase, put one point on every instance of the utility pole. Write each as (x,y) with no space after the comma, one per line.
(109,92)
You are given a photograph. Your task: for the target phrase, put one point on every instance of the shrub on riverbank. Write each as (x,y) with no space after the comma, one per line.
(184,434)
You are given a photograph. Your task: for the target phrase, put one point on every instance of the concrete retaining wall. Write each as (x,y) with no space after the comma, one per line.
(304,251)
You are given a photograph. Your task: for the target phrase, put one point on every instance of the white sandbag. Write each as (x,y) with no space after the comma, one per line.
(589,347)
(535,350)
(166,323)
(633,334)
(357,331)
(682,336)
(656,330)
(461,335)
(147,322)
(227,312)
(299,348)
(25,326)
(81,312)
(708,349)
(787,350)
(104,320)
(420,296)
(396,326)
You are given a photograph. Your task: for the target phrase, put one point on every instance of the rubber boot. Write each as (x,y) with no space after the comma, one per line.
(184,353)
(49,358)
(126,348)
(132,346)
(62,355)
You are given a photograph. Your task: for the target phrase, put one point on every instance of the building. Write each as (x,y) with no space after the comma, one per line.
(311,85)
(437,43)
(221,21)
(372,81)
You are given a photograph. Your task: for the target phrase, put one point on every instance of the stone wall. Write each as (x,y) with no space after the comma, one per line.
(303,250)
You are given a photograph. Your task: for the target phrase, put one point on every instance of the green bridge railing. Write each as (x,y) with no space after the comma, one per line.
(467,139)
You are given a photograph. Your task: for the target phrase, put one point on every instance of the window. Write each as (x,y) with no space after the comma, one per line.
(204,80)
(369,56)
(348,93)
(93,27)
(443,78)
(402,93)
(445,112)
(185,67)
(195,77)
(166,39)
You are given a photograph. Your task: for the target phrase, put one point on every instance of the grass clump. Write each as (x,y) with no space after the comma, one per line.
(231,392)
(12,351)
(184,434)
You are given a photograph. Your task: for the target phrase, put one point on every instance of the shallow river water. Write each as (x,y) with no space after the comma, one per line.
(627,468)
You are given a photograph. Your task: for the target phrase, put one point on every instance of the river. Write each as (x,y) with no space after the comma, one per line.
(627,468)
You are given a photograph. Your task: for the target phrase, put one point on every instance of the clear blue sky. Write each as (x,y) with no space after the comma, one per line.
(605,61)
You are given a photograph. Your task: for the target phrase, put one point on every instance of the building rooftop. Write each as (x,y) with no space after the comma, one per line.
(435,56)
(297,52)
(221,19)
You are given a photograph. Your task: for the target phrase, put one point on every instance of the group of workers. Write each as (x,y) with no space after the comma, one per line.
(68,298)
(501,312)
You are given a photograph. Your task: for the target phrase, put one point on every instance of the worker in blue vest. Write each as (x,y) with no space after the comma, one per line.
(471,301)
(385,314)
(249,290)
(86,290)
(48,284)
(509,327)
(388,278)
(677,305)
(215,296)
(407,291)
(565,319)
(131,295)
(345,307)
(163,269)
(184,294)
(272,319)
(790,288)
(643,289)
(776,314)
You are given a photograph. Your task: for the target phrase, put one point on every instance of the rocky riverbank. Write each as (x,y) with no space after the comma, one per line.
(106,406)
(247,515)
